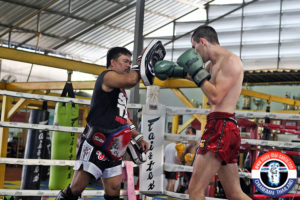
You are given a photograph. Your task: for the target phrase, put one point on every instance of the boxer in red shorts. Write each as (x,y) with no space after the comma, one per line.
(220,79)
(219,73)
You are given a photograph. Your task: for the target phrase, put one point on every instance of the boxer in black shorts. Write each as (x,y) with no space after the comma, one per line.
(108,130)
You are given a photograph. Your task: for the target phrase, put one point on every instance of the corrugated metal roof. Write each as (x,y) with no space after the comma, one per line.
(272,76)
(58,25)
(112,22)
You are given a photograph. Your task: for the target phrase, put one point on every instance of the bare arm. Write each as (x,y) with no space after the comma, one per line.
(225,79)
(113,80)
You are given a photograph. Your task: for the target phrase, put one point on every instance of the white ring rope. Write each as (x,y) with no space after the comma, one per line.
(279,144)
(184,168)
(42,127)
(12,192)
(238,114)
(54,98)
(179,137)
(271,143)
(185,196)
(45,162)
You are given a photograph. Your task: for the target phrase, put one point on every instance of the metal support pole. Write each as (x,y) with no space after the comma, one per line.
(279,35)
(9,39)
(175,124)
(138,46)
(242,31)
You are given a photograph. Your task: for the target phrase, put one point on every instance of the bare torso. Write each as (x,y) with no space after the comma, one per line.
(227,76)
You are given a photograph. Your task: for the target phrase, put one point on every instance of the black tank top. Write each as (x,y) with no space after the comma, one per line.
(108,110)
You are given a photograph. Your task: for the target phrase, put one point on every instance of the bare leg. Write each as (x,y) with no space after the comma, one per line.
(205,167)
(112,185)
(171,186)
(79,182)
(229,177)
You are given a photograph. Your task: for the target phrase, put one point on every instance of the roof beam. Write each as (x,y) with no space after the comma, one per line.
(51,61)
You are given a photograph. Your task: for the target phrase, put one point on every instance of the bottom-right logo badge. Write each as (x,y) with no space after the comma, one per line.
(274,174)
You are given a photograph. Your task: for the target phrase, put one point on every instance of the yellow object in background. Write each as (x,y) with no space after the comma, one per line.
(189,157)
(180,149)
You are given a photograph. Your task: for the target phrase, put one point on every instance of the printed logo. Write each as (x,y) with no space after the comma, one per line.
(100,155)
(274,174)
(86,151)
(99,138)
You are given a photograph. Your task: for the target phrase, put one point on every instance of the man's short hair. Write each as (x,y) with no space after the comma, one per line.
(207,32)
(193,130)
(115,53)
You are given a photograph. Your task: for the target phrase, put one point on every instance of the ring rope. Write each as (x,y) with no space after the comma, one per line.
(239,114)
(13,192)
(282,128)
(179,137)
(44,162)
(271,143)
(54,98)
(279,144)
(41,127)
(292,153)
(185,196)
(184,168)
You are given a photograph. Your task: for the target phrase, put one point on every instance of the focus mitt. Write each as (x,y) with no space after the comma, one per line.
(154,52)
(136,153)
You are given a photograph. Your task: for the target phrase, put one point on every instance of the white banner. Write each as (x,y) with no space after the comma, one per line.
(153,129)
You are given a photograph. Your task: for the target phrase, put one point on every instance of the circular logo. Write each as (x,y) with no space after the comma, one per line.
(99,138)
(274,174)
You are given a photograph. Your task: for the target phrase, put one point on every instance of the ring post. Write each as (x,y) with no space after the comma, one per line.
(153,129)
(151,172)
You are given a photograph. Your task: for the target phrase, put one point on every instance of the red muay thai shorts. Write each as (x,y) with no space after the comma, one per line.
(221,137)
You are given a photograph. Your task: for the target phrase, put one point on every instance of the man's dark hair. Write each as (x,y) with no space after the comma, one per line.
(115,53)
(193,130)
(207,32)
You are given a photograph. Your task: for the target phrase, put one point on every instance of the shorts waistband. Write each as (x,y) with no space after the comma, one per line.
(89,130)
(221,115)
